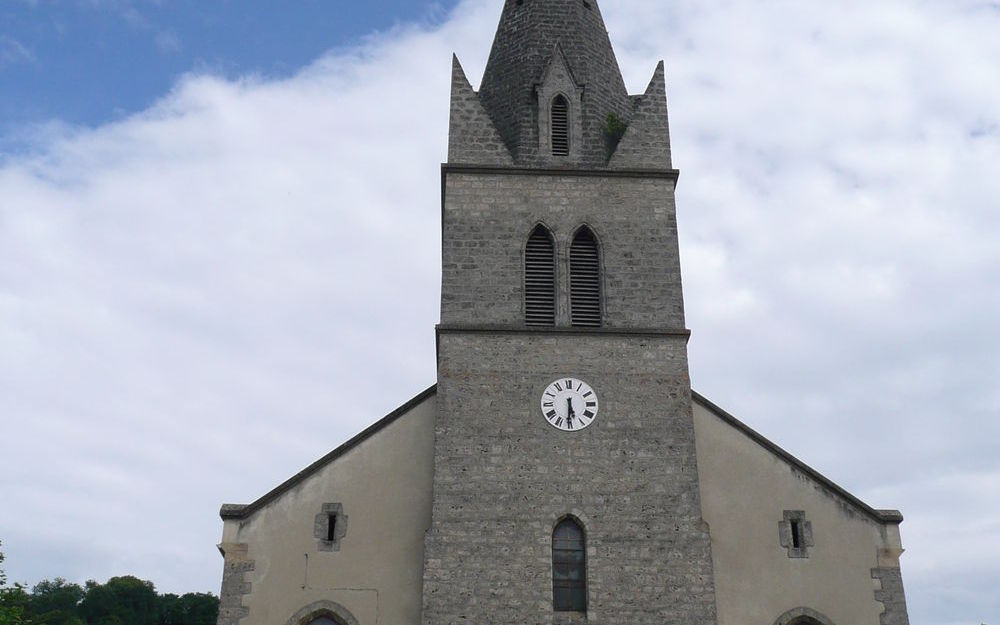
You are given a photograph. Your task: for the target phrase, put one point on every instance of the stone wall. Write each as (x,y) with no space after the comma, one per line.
(234,583)
(489,214)
(504,477)
(891,595)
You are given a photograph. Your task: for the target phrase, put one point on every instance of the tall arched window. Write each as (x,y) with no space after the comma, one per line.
(585,279)
(569,567)
(559,127)
(539,279)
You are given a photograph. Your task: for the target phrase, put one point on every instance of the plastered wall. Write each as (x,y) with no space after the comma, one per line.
(744,490)
(384,487)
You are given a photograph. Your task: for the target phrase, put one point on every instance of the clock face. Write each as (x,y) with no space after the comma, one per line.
(569,404)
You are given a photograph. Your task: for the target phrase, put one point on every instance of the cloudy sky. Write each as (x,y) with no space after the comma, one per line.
(219,250)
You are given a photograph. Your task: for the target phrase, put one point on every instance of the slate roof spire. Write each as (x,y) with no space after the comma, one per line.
(531,33)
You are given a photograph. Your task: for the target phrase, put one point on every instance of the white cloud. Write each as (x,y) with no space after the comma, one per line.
(13,51)
(167,42)
(199,300)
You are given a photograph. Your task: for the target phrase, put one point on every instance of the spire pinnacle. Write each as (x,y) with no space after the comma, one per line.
(530,32)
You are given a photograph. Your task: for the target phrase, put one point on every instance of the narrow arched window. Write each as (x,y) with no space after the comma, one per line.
(585,279)
(560,126)
(569,567)
(539,279)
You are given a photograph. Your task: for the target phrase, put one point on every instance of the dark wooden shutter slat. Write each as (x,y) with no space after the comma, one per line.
(560,126)
(539,279)
(585,280)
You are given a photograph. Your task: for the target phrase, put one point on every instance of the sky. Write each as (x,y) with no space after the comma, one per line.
(220,248)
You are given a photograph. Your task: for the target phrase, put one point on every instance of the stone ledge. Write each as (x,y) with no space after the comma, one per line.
(443,328)
(669,174)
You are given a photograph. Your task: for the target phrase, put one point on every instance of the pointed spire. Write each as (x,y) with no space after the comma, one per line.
(646,142)
(528,33)
(472,137)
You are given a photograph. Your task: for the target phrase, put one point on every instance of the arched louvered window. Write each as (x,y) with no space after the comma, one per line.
(560,126)
(585,279)
(569,567)
(539,279)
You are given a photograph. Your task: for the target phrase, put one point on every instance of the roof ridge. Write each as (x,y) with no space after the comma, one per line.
(242,511)
(882,516)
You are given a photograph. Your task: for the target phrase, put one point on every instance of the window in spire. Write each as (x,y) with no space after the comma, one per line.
(569,567)
(585,279)
(560,126)
(539,279)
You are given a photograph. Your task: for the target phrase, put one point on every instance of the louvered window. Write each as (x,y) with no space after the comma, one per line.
(539,279)
(585,279)
(560,126)
(569,568)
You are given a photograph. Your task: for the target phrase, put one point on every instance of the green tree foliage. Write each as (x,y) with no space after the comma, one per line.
(55,602)
(193,608)
(125,600)
(13,599)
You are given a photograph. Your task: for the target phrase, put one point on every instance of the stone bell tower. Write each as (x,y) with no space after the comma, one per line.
(563,392)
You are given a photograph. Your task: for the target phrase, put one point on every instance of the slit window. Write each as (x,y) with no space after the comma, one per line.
(539,279)
(569,568)
(559,127)
(585,279)
(795,532)
(331,527)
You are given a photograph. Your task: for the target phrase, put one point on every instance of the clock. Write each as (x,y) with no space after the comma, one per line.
(569,404)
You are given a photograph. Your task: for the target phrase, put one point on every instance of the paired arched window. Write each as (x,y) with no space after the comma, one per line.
(559,126)
(569,567)
(585,279)
(540,279)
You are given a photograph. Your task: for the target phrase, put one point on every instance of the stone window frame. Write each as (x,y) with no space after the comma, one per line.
(803,616)
(321,526)
(323,609)
(786,539)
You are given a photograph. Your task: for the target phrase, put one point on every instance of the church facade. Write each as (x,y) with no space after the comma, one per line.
(561,470)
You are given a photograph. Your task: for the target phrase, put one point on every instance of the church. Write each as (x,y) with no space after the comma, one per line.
(561,470)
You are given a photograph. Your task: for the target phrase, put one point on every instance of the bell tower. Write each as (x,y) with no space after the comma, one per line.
(565,480)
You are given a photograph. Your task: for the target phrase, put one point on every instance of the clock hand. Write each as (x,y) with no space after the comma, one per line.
(569,408)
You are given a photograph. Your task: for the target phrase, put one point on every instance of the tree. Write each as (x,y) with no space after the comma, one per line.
(193,608)
(55,602)
(125,600)
(12,599)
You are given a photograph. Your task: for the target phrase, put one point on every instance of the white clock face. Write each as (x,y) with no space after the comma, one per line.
(569,404)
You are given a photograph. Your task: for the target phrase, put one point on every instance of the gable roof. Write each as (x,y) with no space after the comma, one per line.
(882,516)
(242,511)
